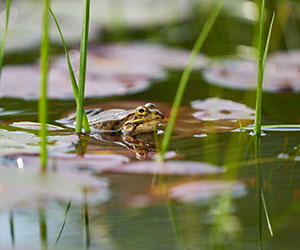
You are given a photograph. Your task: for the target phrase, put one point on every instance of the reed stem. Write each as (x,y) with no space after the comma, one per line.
(43,103)
(85,121)
(4,35)
(185,77)
(82,66)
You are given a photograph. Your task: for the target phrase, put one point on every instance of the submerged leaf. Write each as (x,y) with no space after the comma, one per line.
(281,73)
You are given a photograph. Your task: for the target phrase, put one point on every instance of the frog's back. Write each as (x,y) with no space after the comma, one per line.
(100,120)
(110,120)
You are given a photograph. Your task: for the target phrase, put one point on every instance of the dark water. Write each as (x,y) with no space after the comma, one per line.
(135,218)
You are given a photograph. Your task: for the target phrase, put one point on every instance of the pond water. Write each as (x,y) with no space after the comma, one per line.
(101,193)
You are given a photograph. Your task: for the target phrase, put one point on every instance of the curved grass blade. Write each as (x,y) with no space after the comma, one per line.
(43,105)
(85,122)
(3,40)
(82,66)
(185,77)
(268,40)
(64,223)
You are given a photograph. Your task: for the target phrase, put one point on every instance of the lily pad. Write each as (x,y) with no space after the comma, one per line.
(137,53)
(211,116)
(60,85)
(34,126)
(20,187)
(69,162)
(12,142)
(167,168)
(25,25)
(205,190)
(281,73)
(213,109)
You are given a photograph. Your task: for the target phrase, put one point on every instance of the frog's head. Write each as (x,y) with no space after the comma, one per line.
(143,119)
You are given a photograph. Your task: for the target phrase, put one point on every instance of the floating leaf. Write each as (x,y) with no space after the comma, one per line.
(213,109)
(20,187)
(60,86)
(203,191)
(25,26)
(70,162)
(34,126)
(281,73)
(12,142)
(167,168)
(211,116)
(138,53)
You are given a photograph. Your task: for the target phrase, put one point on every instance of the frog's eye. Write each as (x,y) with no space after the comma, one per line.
(150,106)
(141,111)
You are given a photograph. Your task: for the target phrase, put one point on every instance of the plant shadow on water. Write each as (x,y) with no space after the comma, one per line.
(219,187)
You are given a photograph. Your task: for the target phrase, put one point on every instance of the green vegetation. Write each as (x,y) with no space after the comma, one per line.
(43,106)
(82,66)
(185,77)
(3,40)
(261,65)
(86,125)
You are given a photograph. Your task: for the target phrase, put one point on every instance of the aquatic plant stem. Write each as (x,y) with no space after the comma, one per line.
(268,40)
(12,227)
(3,40)
(259,187)
(261,66)
(43,84)
(85,222)
(64,223)
(43,229)
(85,122)
(260,71)
(82,66)
(185,77)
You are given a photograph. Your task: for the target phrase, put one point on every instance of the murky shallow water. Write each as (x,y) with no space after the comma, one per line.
(138,216)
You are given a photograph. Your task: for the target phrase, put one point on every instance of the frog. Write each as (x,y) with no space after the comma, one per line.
(142,119)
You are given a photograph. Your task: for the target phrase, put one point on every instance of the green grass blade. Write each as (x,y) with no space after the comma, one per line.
(12,227)
(85,122)
(261,66)
(64,223)
(43,84)
(82,66)
(266,212)
(185,77)
(86,223)
(268,40)
(260,73)
(259,188)
(3,40)
(43,229)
